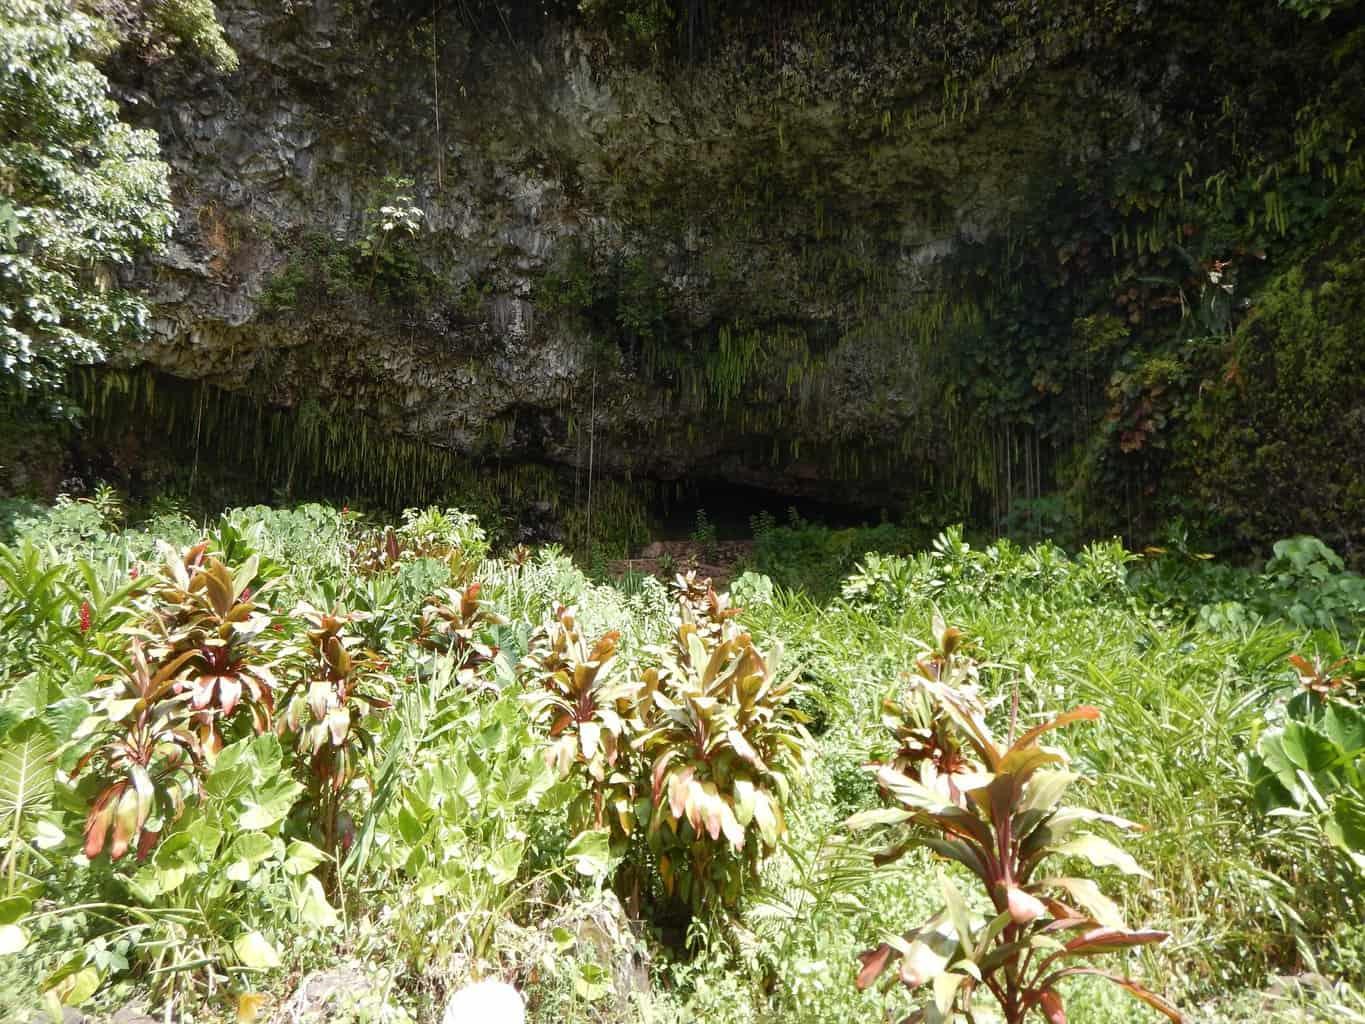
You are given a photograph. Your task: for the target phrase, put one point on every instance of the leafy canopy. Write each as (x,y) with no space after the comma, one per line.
(81,192)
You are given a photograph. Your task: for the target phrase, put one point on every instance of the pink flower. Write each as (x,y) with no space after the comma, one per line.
(85,616)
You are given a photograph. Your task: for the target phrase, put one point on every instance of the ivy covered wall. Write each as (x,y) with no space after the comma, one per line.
(1091,262)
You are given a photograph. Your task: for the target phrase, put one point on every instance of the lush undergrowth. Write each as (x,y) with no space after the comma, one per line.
(293,740)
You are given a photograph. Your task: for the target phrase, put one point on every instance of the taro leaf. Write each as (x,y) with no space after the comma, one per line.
(505,861)
(13,939)
(270,806)
(248,850)
(590,851)
(1346,728)
(1346,826)
(302,857)
(1100,852)
(27,773)
(1309,749)
(592,983)
(255,951)
(313,906)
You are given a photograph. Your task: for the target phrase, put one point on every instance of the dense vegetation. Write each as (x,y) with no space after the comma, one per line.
(1058,275)
(300,739)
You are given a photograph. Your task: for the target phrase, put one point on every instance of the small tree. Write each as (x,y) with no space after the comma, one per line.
(81,192)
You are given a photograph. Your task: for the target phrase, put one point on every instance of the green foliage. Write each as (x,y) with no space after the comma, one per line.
(995,810)
(814,558)
(726,748)
(81,192)
(196,23)
(1309,764)
(469,819)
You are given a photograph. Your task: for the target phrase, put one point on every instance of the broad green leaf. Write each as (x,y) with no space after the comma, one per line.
(592,982)
(958,913)
(27,774)
(313,906)
(945,991)
(1086,893)
(590,852)
(926,956)
(505,861)
(1346,826)
(302,857)
(13,939)
(13,908)
(877,816)
(255,950)
(270,807)
(1346,728)
(1045,790)
(1100,852)
(1309,749)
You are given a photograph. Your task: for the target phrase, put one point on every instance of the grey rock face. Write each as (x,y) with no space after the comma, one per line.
(582,221)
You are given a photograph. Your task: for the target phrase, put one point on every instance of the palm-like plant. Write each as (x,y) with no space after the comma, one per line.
(200,607)
(579,701)
(452,622)
(326,710)
(145,756)
(995,809)
(724,743)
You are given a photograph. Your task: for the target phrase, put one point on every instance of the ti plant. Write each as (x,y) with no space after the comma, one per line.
(326,712)
(996,810)
(453,622)
(724,744)
(144,756)
(201,608)
(700,605)
(583,705)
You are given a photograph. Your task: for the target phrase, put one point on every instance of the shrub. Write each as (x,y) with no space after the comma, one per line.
(995,810)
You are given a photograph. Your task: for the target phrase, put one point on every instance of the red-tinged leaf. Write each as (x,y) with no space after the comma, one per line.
(605,647)
(146,843)
(745,749)
(101,816)
(661,765)
(1084,713)
(708,799)
(1050,1003)
(202,694)
(1156,1002)
(339,723)
(142,785)
(1107,940)
(677,791)
(229,693)
(1024,907)
(874,963)
(319,698)
(126,823)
